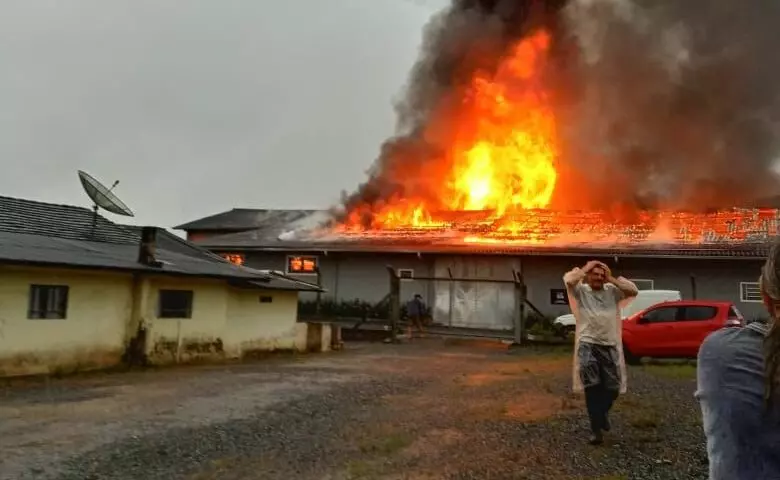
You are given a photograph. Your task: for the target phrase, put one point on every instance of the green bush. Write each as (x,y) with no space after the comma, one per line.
(344,309)
(541,325)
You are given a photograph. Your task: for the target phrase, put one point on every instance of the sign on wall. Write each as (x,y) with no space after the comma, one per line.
(558,296)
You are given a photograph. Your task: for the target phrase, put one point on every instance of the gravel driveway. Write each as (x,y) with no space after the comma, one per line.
(426,410)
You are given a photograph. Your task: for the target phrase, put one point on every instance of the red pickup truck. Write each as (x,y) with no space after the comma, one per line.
(676,329)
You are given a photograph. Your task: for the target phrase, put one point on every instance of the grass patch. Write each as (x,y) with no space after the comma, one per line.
(672,371)
(611,477)
(386,445)
(360,469)
(639,413)
(551,351)
(645,421)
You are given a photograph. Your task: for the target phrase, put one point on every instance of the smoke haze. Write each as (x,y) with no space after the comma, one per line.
(659,103)
(677,103)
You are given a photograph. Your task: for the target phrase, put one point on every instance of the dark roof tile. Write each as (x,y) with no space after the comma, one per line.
(245,219)
(63,221)
(48,234)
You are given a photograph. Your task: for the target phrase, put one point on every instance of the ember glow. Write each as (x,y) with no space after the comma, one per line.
(534,227)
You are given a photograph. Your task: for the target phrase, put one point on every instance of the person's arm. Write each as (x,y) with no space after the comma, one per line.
(626,287)
(574,276)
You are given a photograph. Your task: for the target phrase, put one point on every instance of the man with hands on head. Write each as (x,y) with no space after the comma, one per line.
(596,298)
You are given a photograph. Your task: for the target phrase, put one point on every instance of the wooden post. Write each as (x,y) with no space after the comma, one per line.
(520,298)
(318,301)
(395,303)
(451,285)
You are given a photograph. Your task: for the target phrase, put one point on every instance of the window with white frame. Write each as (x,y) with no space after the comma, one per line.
(406,273)
(749,292)
(301,265)
(643,283)
(49,302)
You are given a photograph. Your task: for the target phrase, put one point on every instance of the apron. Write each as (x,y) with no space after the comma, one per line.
(576,381)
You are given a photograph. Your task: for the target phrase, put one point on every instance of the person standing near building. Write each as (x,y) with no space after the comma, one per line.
(415,310)
(596,298)
(738,378)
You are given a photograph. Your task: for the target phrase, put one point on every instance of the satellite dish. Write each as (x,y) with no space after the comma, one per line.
(102,196)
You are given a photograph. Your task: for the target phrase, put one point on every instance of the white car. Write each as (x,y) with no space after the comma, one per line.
(645,299)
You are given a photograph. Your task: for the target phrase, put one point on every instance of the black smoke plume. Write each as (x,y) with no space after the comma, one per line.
(468,36)
(676,103)
(659,103)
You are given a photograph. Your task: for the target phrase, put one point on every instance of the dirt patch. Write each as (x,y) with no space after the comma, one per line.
(434,441)
(674,371)
(506,371)
(410,403)
(534,406)
(476,343)
(482,379)
(444,413)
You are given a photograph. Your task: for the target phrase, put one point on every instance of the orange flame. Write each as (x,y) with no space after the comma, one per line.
(511,164)
(499,176)
(503,154)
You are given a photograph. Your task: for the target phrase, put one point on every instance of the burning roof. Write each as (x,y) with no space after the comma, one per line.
(725,233)
(530,124)
(572,126)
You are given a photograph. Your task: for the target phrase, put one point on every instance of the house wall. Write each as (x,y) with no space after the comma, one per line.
(92,335)
(254,326)
(355,276)
(714,279)
(226,322)
(364,277)
(187,339)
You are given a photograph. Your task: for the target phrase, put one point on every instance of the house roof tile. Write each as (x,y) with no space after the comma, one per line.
(239,219)
(40,233)
(296,236)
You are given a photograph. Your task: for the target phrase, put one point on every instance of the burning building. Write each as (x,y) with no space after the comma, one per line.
(716,256)
(536,133)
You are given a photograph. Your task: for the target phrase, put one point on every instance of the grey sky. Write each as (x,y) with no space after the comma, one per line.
(198,106)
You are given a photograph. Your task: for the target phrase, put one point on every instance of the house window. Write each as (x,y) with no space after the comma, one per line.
(643,283)
(750,292)
(302,265)
(405,273)
(234,258)
(266,299)
(175,304)
(48,302)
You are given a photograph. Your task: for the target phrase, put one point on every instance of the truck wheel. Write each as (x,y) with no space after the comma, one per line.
(630,358)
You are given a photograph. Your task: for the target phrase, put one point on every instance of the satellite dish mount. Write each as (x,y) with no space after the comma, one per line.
(103,197)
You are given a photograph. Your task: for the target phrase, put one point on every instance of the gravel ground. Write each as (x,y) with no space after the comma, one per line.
(426,410)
